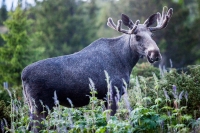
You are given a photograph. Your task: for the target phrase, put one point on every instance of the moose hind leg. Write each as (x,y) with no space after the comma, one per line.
(37,114)
(37,109)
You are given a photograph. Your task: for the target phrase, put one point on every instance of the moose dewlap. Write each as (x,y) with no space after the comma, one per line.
(69,75)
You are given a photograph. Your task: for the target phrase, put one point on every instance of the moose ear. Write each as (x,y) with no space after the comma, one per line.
(127,21)
(151,20)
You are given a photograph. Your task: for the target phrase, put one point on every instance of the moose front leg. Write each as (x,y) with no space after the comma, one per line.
(114,105)
(116,92)
(111,103)
(115,89)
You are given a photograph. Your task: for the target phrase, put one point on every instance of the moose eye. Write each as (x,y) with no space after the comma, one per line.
(138,38)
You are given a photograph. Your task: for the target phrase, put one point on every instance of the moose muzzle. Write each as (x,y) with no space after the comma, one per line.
(153,55)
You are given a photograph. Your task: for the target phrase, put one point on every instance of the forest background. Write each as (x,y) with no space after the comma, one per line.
(52,28)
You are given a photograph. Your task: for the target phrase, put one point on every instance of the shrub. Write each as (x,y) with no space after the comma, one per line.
(144,76)
(4,110)
(145,70)
(165,109)
(189,82)
(4,114)
(4,96)
(154,109)
(145,120)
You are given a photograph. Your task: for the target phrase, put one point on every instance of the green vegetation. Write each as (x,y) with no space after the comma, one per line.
(189,83)
(4,111)
(161,105)
(16,53)
(67,26)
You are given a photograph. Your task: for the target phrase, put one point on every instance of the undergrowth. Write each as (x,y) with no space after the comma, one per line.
(149,105)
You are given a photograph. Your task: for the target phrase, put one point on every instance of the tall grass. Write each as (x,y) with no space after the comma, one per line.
(142,109)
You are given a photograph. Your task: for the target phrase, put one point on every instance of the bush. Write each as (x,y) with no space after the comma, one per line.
(4,96)
(189,82)
(158,108)
(143,76)
(145,120)
(161,106)
(4,114)
(145,70)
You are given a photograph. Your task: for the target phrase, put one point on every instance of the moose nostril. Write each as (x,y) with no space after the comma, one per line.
(154,55)
(149,52)
(151,55)
(157,58)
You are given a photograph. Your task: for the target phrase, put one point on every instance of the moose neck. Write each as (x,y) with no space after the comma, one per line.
(121,48)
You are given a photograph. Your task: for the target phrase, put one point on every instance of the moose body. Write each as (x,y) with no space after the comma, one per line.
(69,75)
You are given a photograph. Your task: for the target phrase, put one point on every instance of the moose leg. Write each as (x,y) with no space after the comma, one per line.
(116,93)
(37,114)
(35,123)
(39,106)
(113,106)
(34,110)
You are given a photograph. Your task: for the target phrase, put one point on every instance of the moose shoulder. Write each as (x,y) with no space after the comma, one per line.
(69,75)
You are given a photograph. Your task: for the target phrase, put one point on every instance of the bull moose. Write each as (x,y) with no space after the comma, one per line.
(69,75)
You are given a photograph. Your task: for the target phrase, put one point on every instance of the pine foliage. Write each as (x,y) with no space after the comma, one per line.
(15,54)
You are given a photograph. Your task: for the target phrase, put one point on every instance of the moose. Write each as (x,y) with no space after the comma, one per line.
(69,75)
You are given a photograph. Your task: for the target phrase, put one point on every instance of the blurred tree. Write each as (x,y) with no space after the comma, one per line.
(3,12)
(196,31)
(3,17)
(65,25)
(107,9)
(178,39)
(16,53)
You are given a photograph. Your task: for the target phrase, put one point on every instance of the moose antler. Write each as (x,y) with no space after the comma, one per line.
(111,24)
(163,20)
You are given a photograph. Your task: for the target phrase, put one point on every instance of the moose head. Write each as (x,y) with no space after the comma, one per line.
(141,34)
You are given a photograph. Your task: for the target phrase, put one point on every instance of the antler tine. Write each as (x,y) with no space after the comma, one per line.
(165,9)
(163,20)
(112,25)
(130,31)
(135,26)
(119,27)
